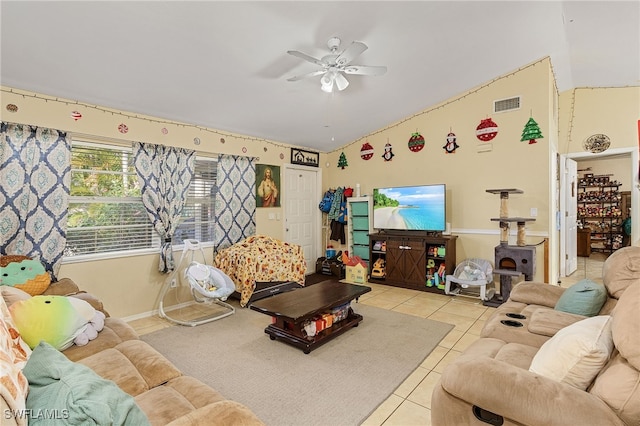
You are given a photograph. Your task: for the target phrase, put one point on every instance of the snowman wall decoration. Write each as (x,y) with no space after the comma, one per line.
(388,154)
(451,145)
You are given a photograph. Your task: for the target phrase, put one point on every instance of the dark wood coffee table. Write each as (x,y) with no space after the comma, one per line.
(292,309)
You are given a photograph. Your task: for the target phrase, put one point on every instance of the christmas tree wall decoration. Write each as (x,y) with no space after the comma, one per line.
(531,132)
(342,161)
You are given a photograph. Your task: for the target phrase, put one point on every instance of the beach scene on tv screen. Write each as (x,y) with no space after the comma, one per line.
(410,208)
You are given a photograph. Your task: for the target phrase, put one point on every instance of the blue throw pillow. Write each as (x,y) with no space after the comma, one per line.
(583,298)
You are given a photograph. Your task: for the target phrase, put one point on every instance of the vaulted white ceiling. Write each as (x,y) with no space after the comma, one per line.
(223,64)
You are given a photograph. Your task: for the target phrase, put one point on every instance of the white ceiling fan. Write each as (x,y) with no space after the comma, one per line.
(335,65)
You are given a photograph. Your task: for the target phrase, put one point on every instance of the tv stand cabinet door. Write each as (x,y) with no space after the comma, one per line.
(406,261)
(415,263)
(395,260)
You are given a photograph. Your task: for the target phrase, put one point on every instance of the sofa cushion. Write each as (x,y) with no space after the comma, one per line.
(577,353)
(583,298)
(626,325)
(115,331)
(74,393)
(547,321)
(133,365)
(620,270)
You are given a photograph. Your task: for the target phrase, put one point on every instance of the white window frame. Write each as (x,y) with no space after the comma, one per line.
(155,237)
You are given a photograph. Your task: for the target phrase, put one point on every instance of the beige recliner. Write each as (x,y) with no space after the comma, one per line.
(491,381)
(531,305)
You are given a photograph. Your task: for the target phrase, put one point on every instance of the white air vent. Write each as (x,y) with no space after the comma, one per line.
(506,104)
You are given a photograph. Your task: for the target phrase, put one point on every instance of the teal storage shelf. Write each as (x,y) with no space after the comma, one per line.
(361,237)
(360,208)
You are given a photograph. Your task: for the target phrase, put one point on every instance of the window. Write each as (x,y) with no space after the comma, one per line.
(106,214)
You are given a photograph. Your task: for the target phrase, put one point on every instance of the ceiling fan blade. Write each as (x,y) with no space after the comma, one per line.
(306,57)
(365,70)
(350,53)
(341,81)
(311,74)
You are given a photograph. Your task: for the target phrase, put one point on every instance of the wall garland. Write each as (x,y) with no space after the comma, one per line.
(449,102)
(221,134)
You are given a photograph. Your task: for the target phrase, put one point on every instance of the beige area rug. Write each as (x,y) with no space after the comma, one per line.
(340,383)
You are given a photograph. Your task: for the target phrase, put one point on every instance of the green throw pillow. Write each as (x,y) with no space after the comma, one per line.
(583,298)
(65,392)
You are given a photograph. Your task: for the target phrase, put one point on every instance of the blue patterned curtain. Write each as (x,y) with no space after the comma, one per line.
(164,174)
(35,176)
(235,200)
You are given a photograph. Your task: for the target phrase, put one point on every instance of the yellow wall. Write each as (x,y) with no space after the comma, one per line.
(470,171)
(129,286)
(611,111)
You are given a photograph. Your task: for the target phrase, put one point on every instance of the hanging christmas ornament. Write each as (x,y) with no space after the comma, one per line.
(342,161)
(281,156)
(416,142)
(388,154)
(196,141)
(122,128)
(76,115)
(486,130)
(531,132)
(164,131)
(451,145)
(12,107)
(366,152)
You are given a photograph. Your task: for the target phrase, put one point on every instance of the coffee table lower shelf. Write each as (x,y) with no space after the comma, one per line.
(292,333)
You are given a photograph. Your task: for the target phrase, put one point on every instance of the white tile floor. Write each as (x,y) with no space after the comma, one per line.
(410,404)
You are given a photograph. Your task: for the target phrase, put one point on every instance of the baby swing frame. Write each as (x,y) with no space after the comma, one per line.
(199,293)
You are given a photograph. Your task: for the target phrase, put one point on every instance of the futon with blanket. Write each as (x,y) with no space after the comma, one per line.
(260,258)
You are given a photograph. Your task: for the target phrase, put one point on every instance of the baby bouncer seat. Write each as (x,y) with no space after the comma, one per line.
(197,293)
(470,276)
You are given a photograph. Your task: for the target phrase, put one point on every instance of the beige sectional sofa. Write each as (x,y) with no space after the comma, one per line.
(552,367)
(159,389)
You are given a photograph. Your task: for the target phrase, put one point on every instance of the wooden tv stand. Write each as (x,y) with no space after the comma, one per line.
(410,257)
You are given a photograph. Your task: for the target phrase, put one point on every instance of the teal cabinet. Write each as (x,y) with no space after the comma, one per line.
(359,222)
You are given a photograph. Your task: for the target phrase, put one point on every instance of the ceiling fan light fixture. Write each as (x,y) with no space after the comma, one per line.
(335,65)
(327,83)
(341,81)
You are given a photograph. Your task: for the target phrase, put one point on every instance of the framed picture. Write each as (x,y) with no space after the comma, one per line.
(304,158)
(267,185)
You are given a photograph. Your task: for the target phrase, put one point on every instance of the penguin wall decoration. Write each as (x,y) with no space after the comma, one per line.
(388,153)
(451,145)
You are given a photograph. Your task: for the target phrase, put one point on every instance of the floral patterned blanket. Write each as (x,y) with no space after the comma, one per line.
(261,258)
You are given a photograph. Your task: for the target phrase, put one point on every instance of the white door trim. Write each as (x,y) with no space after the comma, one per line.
(635,186)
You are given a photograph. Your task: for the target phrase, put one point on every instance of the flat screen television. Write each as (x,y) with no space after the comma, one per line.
(415,208)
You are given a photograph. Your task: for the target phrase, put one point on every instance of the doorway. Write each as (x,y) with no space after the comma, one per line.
(302,221)
(628,175)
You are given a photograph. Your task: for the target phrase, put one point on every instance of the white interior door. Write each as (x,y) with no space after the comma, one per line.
(571,216)
(301,221)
